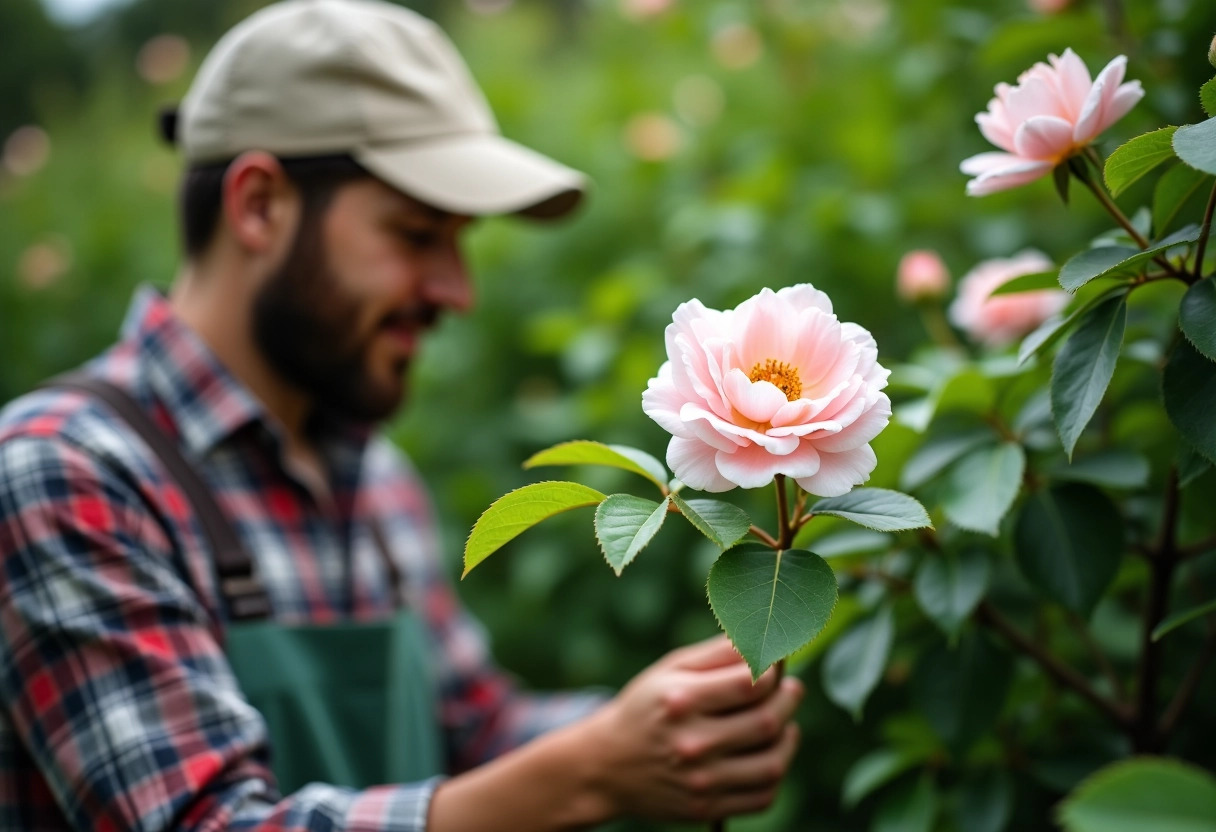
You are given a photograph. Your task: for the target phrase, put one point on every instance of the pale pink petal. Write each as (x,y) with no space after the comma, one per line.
(1074,82)
(701,424)
(753,468)
(1034,97)
(995,125)
(693,463)
(792,413)
(982,163)
(803,296)
(758,401)
(1121,103)
(762,331)
(838,473)
(817,348)
(1092,119)
(662,402)
(863,429)
(1043,137)
(1011,177)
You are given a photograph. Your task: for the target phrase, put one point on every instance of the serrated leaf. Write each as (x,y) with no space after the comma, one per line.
(948,587)
(624,524)
(1189,390)
(1028,283)
(1191,465)
(519,510)
(1176,191)
(1195,144)
(937,454)
(770,603)
(1179,618)
(910,807)
(1197,316)
(874,770)
(1143,794)
(587,452)
(1084,367)
(962,691)
(855,662)
(1113,468)
(1135,158)
(982,486)
(1207,97)
(1068,542)
(723,523)
(880,509)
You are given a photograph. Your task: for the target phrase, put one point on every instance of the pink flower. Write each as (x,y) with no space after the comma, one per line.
(1052,114)
(777,385)
(921,275)
(1001,320)
(1049,6)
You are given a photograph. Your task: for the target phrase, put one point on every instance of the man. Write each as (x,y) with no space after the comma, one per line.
(201,615)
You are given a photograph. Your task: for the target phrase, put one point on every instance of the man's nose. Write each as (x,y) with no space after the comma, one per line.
(447,281)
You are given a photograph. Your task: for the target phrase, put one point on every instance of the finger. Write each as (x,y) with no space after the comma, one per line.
(718,690)
(757,771)
(705,655)
(759,726)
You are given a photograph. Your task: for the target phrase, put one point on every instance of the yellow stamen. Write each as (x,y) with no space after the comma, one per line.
(781,375)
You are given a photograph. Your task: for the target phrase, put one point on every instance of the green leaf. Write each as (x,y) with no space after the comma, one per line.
(1143,794)
(912,807)
(855,662)
(1179,618)
(1068,542)
(850,541)
(586,452)
(937,454)
(1177,190)
(1053,329)
(519,510)
(722,523)
(1197,316)
(1189,389)
(1087,265)
(1191,465)
(1084,367)
(874,770)
(1137,157)
(1195,144)
(1113,468)
(962,691)
(770,603)
(624,524)
(982,486)
(985,801)
(969,390)
(948,587)
(876,508)
(1060,177)
(1028,283)
(1207,98)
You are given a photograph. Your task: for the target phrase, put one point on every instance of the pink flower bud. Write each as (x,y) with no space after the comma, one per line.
(1049,6)
(922,275)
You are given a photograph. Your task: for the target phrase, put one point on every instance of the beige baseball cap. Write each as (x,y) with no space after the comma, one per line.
(377,81)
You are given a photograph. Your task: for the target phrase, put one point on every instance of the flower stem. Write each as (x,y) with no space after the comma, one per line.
(785,531)
(937,327)
(1111,208)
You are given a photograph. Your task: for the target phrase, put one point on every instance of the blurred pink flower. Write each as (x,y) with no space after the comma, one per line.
(921,275)
(777,385)
(1052,114)
(1049,6)
(1001,320)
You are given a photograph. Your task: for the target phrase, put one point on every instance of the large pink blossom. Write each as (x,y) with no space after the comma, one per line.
(1003,319)
(777,385)
(1052,113)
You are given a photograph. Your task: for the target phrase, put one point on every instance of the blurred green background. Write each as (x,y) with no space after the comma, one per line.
(734,145)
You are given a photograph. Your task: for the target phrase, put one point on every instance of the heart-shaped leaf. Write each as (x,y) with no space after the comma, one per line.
(1084,367)
(855,661)
(624,524)
(1137,157)
(770,603)
(586,452)
(880,509)
(517,511)
(723,523)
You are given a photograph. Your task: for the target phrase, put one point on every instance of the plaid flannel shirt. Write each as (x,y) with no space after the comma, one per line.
(118,709)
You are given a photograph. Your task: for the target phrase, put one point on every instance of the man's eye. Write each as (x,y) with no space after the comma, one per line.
(418,238)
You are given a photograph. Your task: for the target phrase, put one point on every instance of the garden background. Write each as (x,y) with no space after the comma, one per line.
(734,145)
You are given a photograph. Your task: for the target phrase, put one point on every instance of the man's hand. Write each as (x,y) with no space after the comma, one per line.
(691,738)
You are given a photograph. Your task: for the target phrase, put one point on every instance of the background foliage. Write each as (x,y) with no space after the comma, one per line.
(735,145)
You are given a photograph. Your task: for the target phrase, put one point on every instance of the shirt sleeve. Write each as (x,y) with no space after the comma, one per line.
(111,677)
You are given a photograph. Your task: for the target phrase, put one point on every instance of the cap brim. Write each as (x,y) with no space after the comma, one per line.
(477,175)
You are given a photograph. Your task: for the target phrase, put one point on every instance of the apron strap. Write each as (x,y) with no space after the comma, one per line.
(396,580)
(243,593)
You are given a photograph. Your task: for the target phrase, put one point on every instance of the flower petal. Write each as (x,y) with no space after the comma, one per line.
(873,418)
(693,463)
(758,401)
(1011,177)
(838,473)
(1043,137)
(1074,82)
(753,467)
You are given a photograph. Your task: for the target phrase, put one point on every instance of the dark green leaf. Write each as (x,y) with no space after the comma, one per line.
(982,486)
(1179,618)
(1114,468)
(722,523)
(770,603)
(1178,190)
(1207,97)
(872,771)
(519,510)
(1197,316)
(1090,263)
(1191,465)
(624,524)
(1137,157)
(851,541)
(876,508)
(1189,388)
(912,807)
(937,454)
(1053,329)
(1084,367)
(985,801)
(948,587)
(1195,144)
(1068,542)
(962,691)
(1144,794)
(586,452)
(1061,177)
(855,662)
(1028,283)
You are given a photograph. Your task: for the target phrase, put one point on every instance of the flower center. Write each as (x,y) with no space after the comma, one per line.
(780,375)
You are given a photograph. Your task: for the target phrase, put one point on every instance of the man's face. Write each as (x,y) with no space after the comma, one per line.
(365,278)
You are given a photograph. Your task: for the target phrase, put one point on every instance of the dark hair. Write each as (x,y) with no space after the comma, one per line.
(201,194)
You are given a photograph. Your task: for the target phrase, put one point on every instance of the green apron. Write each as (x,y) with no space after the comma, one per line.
(352,704)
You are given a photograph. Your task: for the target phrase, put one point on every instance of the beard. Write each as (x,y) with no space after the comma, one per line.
(307,327)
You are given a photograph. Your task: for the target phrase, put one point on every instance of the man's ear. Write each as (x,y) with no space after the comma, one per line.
(260,205)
